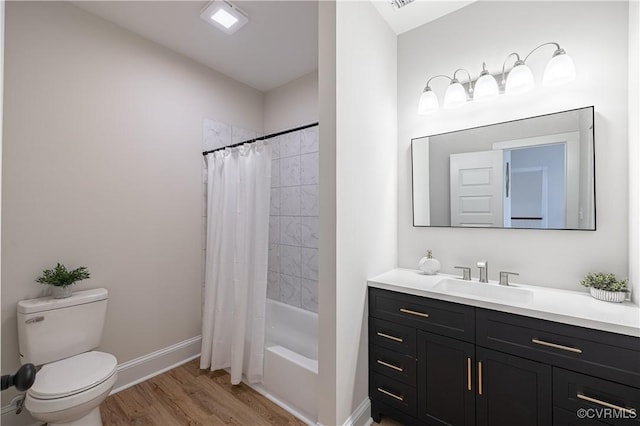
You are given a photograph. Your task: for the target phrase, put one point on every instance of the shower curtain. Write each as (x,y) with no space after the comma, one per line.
(239,181)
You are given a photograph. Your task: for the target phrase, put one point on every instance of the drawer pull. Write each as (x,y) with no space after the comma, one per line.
(386,364)
(556,346)
(392,395)
(386,336)
(468,373)
(605,404)
(416,313)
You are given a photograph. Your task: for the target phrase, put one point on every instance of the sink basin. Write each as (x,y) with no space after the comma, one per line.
(485,290)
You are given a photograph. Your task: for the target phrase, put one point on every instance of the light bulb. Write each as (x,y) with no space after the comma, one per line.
(455,96)
(559,70)
(486,87)
(428,102)
(519,80)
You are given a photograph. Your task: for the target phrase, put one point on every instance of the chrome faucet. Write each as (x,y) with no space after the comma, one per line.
(484,270)
(504,277)
(466,272)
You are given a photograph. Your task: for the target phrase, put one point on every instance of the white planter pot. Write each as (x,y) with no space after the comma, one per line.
(61,292)
(608,296)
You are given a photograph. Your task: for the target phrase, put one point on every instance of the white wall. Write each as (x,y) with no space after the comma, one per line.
(2,8)
(365,191)
(489,31)
(327,291)
(634,148)
(291,105)
(102,168)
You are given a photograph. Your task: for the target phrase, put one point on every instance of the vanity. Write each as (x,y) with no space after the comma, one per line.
(443,351)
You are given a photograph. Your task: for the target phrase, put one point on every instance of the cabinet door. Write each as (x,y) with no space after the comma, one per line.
(512,390)
(445,380)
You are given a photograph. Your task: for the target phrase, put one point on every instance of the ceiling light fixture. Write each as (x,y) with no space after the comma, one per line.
(224,16)
(559,70)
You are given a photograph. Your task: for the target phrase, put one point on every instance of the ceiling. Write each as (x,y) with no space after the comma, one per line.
(279,43)
(417,13)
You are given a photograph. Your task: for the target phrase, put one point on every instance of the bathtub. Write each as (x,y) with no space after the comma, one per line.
(291,358)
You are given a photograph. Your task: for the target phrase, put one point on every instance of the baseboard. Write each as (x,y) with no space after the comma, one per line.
(143,368)
(361,416)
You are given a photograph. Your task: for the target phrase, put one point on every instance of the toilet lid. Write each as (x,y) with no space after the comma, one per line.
(72,375)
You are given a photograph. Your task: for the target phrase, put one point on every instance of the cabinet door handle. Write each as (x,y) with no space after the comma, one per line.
(605,404)
(393,367)
(469,374)
(416,313)
(556,346)
(386,336)
(479,377)
(392,395)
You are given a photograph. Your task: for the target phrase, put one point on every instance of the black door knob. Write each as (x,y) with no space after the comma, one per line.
(22,380)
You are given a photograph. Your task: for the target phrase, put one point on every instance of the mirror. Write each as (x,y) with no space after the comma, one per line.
(534,173)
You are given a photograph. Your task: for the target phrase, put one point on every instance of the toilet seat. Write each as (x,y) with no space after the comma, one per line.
(73,375)
(71,382)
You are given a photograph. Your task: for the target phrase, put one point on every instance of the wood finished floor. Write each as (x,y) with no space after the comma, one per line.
(187,395)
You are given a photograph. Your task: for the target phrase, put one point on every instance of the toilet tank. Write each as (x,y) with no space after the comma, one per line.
(52,329)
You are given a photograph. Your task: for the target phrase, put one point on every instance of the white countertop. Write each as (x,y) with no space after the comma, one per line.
(564,306)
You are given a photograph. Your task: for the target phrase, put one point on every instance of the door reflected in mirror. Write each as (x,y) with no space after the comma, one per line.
(535,173)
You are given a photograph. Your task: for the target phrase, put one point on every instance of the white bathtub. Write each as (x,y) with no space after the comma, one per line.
(291,358)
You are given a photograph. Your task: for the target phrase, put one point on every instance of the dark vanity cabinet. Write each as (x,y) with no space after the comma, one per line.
(433,362)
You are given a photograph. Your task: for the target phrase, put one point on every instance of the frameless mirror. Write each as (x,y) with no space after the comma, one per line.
(536,172)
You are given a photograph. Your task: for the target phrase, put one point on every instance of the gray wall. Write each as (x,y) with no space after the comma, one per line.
(101,167)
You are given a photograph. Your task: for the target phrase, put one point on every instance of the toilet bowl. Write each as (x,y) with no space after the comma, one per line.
(69,392)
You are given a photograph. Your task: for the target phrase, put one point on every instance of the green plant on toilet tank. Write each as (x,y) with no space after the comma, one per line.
(61,279)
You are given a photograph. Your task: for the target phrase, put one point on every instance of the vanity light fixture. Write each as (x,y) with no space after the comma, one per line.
(559,70)
(486,87)
(224,16)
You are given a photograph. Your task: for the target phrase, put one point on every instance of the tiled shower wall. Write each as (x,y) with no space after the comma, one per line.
(293,221)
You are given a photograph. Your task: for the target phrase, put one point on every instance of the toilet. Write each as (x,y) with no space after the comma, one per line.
(59,336)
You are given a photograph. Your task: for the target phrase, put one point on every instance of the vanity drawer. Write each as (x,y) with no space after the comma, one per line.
(607,355)
(393,393)
(605,401)
(445,318)
(397,337)
(563,417)
(392,364)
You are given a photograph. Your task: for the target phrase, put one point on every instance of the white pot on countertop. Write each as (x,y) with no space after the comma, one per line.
(608,296)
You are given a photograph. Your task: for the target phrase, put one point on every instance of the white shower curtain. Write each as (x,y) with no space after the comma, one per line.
(239,182)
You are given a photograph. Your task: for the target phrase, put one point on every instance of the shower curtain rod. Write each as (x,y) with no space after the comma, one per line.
(261,138)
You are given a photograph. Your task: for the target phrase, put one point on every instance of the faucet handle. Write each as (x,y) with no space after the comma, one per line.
(504,277)
(466,272)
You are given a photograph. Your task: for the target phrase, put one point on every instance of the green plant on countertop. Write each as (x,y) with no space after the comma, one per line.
(61,277)
(602,281)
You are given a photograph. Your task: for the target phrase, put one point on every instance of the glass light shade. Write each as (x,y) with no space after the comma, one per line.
(428,103)
(486,88)
(455,96)
(559,70)
(519,80)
